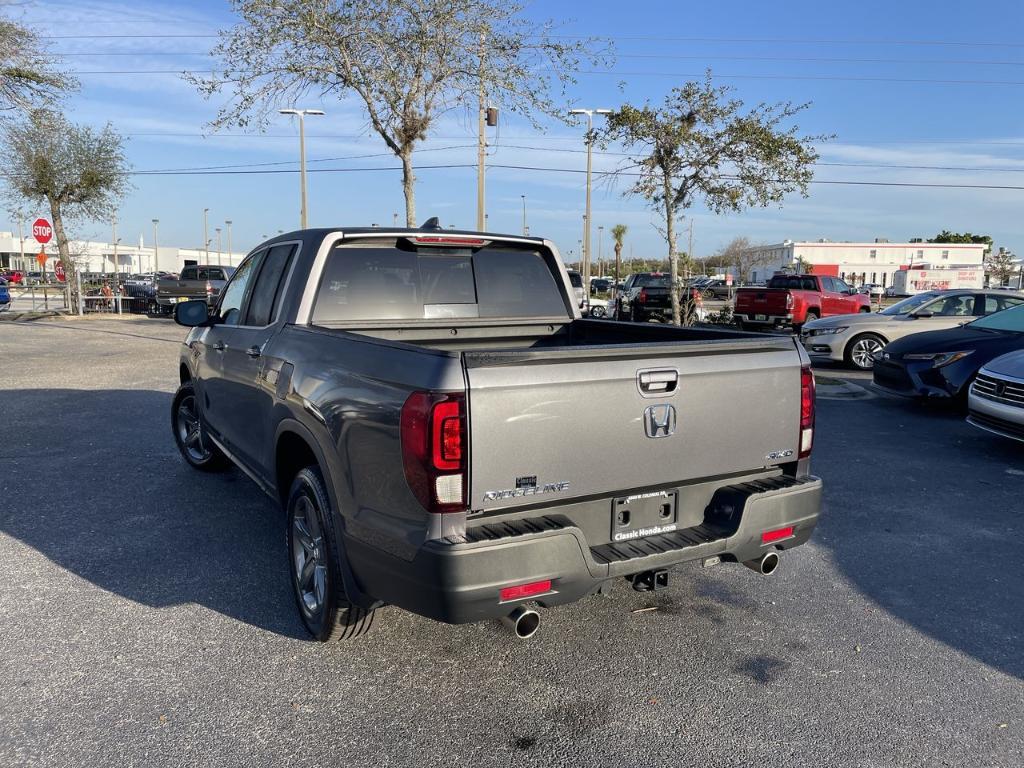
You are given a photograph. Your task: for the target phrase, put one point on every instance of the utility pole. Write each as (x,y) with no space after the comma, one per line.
(206,235)
(217,230)
(481,146)
(590,146)
(301,114)
(156,249)
(21,250)
(525,228)
(113,236)
(228,225)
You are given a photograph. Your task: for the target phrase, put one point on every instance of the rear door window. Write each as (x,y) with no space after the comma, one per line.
(188,273)
(372,281)
(269,284)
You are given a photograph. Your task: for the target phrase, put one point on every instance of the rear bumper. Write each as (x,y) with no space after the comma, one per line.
(752,318)
(458,581)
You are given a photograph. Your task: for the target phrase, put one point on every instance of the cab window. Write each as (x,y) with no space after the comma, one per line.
(234,293)
(960,305)
(999,303)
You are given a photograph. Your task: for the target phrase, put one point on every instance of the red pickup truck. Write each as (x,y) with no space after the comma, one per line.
(795,299)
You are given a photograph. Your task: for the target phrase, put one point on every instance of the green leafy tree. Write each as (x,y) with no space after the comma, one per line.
(619,236)
(77,172)
(407,62)
(701,145)
(28,77)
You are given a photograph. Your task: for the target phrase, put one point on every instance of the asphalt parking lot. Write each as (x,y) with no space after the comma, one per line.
(148,620)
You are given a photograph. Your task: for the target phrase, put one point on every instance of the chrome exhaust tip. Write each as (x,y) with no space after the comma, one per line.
(523,622)
(765,565)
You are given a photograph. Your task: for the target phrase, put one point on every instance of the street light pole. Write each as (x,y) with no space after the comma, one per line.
(590,146)
(228,225)
(525,230)
(600,250)
(217,230)
(206,234)
(301,114)
(156,248)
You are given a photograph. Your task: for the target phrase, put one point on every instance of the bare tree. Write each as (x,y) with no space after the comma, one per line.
(699,145)
(27,75)
(407,62)
(78,172)
(741,256)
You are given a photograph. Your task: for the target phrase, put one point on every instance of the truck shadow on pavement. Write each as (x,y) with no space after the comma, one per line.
(107,497)
(923,514)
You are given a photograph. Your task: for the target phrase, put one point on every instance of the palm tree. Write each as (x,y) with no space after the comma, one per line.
(618,234)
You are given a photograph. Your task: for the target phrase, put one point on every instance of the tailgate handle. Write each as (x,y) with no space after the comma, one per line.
(658,382)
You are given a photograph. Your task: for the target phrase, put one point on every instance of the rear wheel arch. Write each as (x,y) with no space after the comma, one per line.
(295,448)
(184,374)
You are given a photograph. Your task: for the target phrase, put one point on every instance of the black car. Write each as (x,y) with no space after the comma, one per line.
(942,364)
(599,285)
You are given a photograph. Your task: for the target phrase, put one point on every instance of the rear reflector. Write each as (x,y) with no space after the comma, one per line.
(526,590)
(777,535)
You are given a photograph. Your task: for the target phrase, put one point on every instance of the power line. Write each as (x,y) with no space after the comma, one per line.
(543,169)
(619,73)
(617,36)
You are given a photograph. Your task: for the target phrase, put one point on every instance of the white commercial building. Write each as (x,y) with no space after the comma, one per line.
(20,253)
(875,262)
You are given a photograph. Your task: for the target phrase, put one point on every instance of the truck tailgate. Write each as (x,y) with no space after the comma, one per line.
(767,301)
(548,425)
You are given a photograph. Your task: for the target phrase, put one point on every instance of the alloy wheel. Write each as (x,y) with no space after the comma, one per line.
(863,351)
(190,431)
(309,560)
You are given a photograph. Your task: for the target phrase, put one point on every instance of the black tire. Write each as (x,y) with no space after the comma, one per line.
(742,325)
(858,347)
(187,428)
(637,317)
(864,310)
(313,546)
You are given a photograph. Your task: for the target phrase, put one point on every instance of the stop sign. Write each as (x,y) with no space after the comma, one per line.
(58,272)
(42,231)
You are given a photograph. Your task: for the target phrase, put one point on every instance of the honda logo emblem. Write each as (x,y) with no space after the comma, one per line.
(660,420)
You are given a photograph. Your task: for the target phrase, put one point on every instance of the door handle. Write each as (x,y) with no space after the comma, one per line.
(253,352)
(220,346)
(657,382)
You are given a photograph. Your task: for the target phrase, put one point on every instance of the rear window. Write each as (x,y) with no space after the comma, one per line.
(652,281)
(383,282)
(793,283)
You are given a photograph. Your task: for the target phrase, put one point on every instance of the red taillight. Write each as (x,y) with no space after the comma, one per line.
(209,287)
(433,431)
(642,298)
(446,435)
(520,591)
(806,411)
(449,240)
(777,535)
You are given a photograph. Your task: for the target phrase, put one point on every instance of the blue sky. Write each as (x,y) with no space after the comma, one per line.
(933,85)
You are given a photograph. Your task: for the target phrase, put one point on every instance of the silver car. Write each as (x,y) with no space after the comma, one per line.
(996,398)
(853,339)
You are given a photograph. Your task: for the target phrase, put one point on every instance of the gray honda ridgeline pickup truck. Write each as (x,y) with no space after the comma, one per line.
(446,434)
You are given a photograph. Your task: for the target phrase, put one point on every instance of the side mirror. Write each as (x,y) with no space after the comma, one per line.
(922,313)
(192,314)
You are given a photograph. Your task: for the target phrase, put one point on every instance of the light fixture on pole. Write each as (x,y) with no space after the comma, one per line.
(590,144)
(301,114)
(156,248)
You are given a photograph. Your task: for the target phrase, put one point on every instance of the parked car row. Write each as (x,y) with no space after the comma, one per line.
(965,347)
